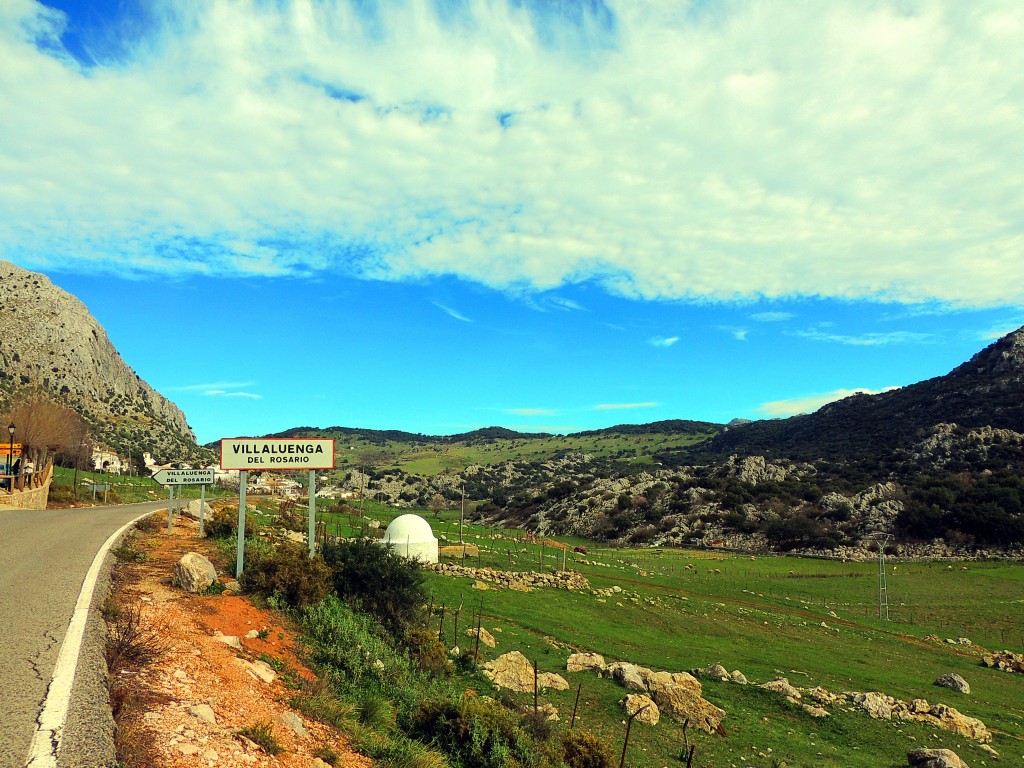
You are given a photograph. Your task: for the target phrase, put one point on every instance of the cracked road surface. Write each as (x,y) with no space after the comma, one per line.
(44,557)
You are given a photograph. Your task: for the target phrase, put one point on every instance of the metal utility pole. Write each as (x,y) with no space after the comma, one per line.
(881,539)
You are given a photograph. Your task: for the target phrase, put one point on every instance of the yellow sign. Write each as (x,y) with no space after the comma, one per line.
(6,450)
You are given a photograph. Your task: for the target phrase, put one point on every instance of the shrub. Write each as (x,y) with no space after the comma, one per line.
(349,644)
(262,734)
(149,523)
(382,583)
(288,573)
(130,643)
(585,750)
(60,494)
(426,650)
(223,524)
(291,516)
(475,733)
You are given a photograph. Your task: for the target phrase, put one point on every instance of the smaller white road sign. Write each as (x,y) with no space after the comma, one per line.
(277,453)
(184,477)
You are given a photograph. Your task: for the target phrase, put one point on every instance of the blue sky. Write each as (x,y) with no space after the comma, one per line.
(436,216)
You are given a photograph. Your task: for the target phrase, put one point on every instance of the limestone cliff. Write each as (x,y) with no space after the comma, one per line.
(61,350)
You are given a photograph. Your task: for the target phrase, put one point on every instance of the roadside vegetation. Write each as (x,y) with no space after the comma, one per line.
(381,631)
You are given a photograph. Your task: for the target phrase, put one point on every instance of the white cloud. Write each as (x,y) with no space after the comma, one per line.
(223,393)
(867,339)
(531,412)
(811,403)
(771,317)
(757,151)
(219,385)
(624,406)
(452,313)
(662,341)
(740,334)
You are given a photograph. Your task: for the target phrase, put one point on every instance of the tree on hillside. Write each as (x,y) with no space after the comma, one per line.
(438,504)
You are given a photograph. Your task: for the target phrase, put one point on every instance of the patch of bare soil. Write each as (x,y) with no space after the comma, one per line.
(186,704)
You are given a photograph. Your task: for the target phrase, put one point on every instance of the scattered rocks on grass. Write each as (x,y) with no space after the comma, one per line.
(954,682)
(523,581)
(1007,661)
(677,694)
(514,671)
(627,675)
(582,662)
(639,702)
(486,638)
(935,758)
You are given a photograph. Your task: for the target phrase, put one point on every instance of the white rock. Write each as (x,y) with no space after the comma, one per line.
(194,573)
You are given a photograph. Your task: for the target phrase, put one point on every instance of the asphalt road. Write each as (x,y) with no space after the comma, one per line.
(44,558)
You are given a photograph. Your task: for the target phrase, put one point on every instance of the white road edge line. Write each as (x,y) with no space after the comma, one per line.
(42,752)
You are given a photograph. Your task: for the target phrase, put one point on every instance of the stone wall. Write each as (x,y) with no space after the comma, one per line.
(33,497)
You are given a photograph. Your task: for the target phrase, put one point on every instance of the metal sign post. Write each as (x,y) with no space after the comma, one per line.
(312,512)
(202,510)
(275,454)
(173,477)
(243,480)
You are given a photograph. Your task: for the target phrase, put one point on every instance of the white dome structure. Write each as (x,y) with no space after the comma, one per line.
(412,537)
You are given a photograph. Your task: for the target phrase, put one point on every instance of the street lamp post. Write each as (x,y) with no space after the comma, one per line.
(10,457)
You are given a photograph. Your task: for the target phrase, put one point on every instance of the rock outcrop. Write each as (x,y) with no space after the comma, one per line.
(677,694)
(61,350)
(515,672)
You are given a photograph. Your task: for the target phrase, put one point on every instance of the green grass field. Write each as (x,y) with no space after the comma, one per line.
(435,458)
(764,616)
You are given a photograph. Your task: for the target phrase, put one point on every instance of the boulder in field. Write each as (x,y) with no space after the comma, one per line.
(934,758)
(953,681)
(581,662)
(638,702)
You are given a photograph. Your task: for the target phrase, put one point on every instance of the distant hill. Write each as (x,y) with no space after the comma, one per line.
(988,390)
(61,351)
(628,444)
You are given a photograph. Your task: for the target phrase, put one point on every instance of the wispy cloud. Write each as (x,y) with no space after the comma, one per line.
(531,412)
(526,147)
(740,334)
(624,406)
(452,313)
(811,403)
(222,393)
(662,341)
(217,385)
(567,305)
(997,333)
(867,339)
(771,317)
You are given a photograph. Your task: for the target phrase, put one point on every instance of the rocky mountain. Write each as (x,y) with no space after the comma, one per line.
(62,352)
(937,465)
(986,391)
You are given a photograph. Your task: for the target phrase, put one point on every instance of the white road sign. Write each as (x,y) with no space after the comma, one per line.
(277,453)
(184,477)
